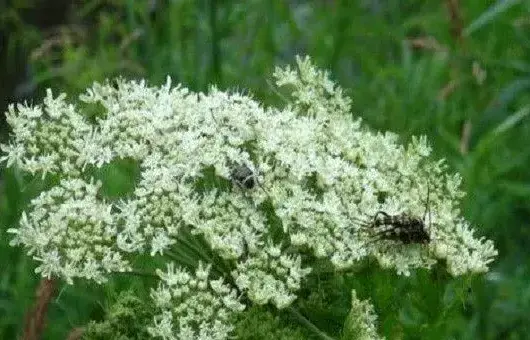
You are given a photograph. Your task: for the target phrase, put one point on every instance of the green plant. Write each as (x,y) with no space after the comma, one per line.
(318,189)
(407,72)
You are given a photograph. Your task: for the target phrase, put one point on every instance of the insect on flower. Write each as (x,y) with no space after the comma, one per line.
(243,177)
(241,174)
(403,228)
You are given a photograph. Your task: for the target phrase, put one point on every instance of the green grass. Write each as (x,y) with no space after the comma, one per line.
(395,86)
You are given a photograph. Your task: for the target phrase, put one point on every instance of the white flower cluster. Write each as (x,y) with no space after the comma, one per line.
(47,138)
(71,233)
(361,320)
(318,178)
(203,308)
(270,275)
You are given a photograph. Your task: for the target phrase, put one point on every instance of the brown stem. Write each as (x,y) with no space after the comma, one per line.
(455,17)
(36,317)
(447,90)
(457,26)
(76,333)
(466,135)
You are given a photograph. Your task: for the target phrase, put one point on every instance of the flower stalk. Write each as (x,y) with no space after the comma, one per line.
(36,316)
(308,324)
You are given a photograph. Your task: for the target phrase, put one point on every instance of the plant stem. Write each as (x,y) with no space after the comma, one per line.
(182,259)
(36,317)
(200,248)
(188,240)
(136,273)
(76,333)
(191,258)
(303,320)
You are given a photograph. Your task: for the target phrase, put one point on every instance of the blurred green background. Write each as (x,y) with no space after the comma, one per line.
(457,71)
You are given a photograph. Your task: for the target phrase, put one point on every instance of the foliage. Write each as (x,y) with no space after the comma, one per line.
(399,82)
(261,324)
(124,320)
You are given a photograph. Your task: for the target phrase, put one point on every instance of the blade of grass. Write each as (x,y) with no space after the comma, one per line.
(489,15)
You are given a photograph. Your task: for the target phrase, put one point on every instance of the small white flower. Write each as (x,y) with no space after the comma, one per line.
(319,178)
(361,321)
(201,313)
(71,233)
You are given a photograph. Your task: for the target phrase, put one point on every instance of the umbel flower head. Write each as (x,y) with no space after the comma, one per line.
(254,191)
(203,306)
(361,320)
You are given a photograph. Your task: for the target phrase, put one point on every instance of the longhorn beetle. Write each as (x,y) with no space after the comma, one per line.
(403,227)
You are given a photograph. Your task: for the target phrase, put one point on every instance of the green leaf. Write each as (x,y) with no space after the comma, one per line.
(511,121)
(520,189)
(496,110)
(489,15)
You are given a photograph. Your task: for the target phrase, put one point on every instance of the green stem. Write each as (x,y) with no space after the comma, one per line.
(136,273)
(219,261)
(195,251)
(188,240)
(201,247)
(302,319)
(191,255)
(182,258)
(216,49)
